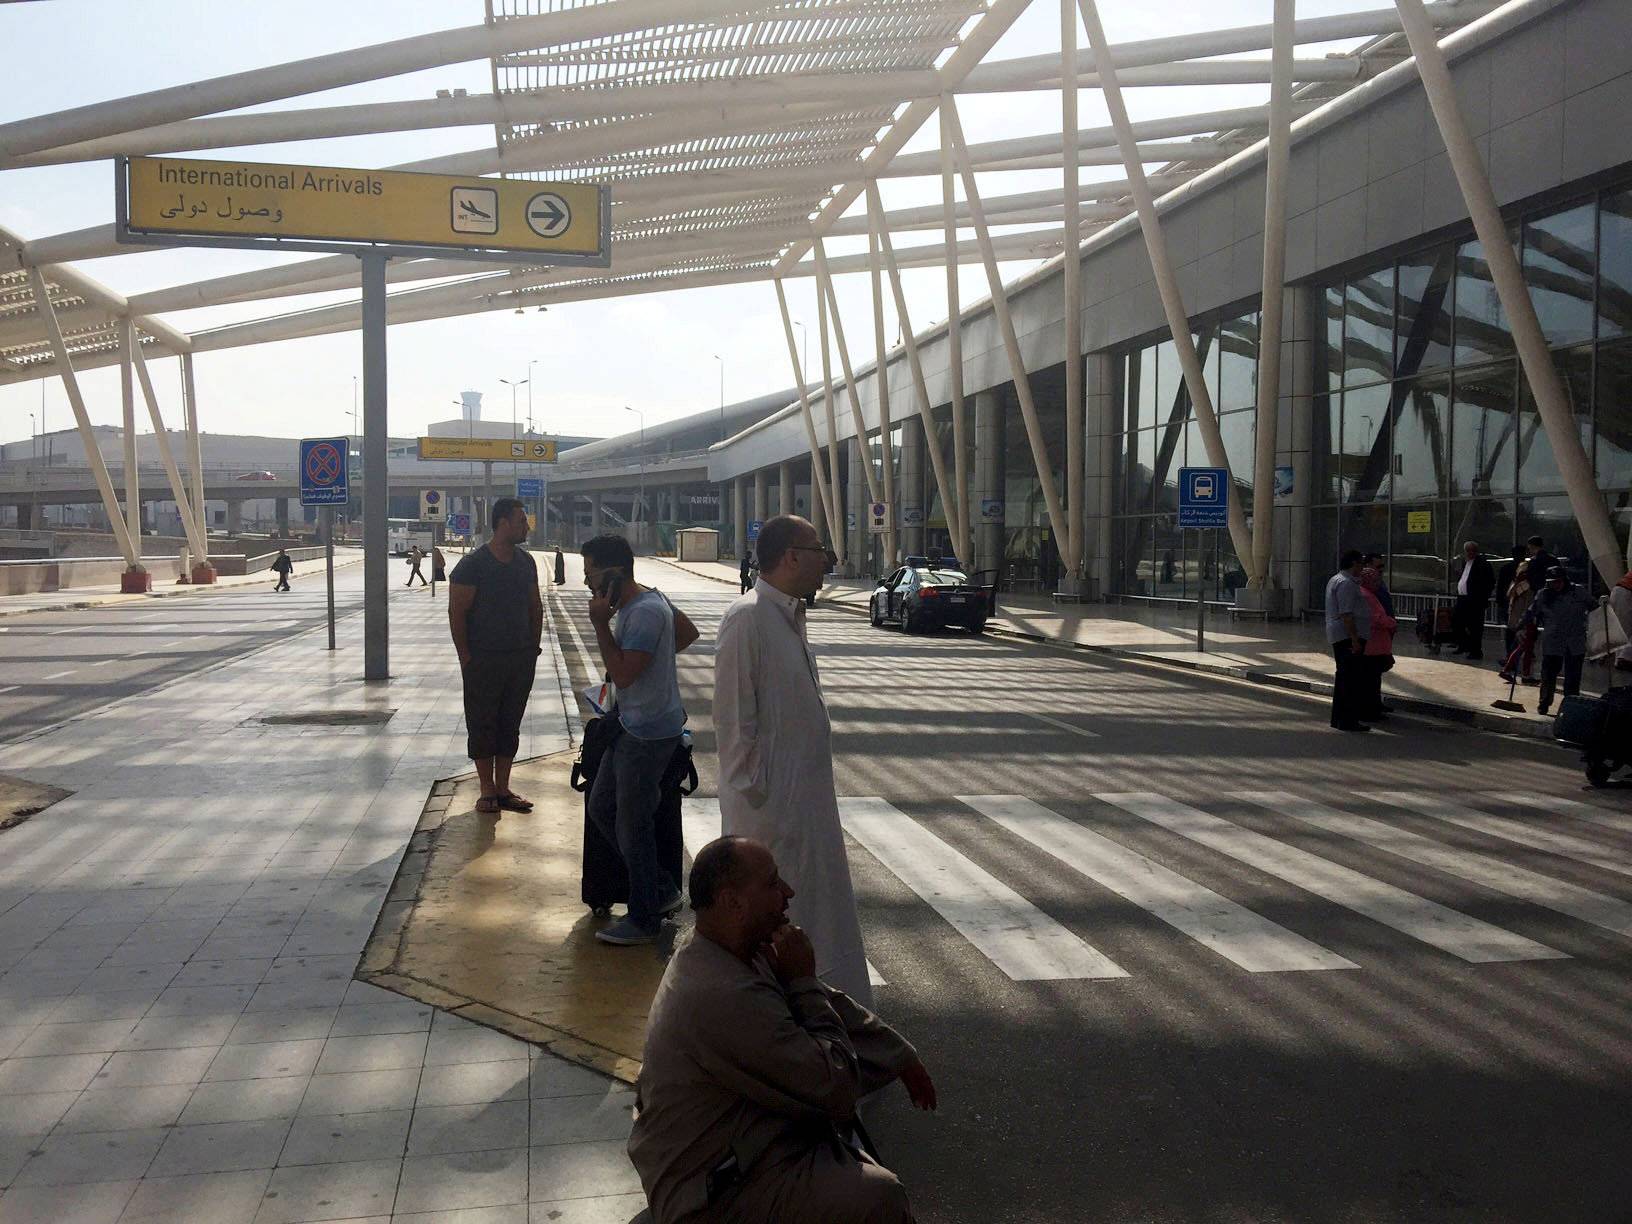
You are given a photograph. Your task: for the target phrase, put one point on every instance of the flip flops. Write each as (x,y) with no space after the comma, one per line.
(512,802)
(488,805)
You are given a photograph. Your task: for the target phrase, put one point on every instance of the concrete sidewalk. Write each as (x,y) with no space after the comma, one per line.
(1282,654)
(181,1035)
(97,596)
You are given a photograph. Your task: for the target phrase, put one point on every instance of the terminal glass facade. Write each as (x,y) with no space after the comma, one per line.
(1158,436)
(1425,434)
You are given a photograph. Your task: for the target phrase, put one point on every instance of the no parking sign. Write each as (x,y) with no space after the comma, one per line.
(323,475)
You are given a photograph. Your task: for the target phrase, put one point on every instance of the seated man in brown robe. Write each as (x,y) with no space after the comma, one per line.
(753,1067)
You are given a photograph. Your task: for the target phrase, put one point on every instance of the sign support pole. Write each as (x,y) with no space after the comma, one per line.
(328,562)
(1201,590)
(376,480)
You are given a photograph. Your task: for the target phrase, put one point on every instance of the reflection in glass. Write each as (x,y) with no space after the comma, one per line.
(1141,457)
(1368,328)
(1422,424)
(1206,342)
(1417,549)
(1558,267)
(1423,332)
(1329,351)
(1613,421)
(1169,380)
(1142,388)
(1538,462)
(1363,527)
(1482,432)
(1326,427)
(1239,432)
(1553,519)
(1481,324)
(1169,559)
(1615,265)
(1366,458)
(1488,521)
(1238,363)
(1137,574)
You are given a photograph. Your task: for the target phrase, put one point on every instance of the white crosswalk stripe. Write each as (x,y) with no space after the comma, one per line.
(1011,932)
(1234,932)
(1621,822)
(1592,907)
(700,824)
(1435,924)
(1551,840)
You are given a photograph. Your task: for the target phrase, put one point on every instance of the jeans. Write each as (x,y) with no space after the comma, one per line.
(1551,665)
(623,804)
(1349,687)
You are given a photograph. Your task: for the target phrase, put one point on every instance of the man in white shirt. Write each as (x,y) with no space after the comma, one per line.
(775,744)
(1348,624)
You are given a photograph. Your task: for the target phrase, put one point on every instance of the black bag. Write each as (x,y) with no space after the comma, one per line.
(1581,720)
(605,882)
(599,735)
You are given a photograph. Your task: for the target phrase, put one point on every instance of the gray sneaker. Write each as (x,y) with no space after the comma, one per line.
(626,932)
(673,904)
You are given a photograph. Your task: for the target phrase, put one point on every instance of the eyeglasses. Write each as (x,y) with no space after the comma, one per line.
(815,548)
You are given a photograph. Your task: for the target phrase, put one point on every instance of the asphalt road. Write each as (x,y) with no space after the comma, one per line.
(55,665)
(1175,951)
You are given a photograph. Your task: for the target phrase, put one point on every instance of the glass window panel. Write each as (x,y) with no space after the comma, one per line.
(1195,454)
(1168,379)
(1612,422)
(1239,432)
(1559,254)
(1329,352)
(1481,323)
(1615,265)
(1482,431)
(1554,521)
(1489,521)
(1238,363)
(1422,429)
(1140,459)
(1169,446)
(1365,460)
(1323,554)
(1206,342)
(1416,560)
(1368,328)
(1169,575)
(1137,566)
(1423,331)
(1362,527)
(1326,428)
(1538,462)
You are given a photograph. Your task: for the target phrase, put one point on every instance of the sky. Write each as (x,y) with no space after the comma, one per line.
(586,362)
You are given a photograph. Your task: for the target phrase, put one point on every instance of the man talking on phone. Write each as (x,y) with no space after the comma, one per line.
(496,617)
(639,657)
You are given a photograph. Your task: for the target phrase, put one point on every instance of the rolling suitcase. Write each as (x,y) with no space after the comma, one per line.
(605,882)
(1581,720)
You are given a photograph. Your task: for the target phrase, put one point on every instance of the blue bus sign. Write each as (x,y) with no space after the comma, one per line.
(1204,497)
(529,486)
(323,474)
(753,529)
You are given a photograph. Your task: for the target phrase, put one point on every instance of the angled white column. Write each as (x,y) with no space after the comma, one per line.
(1552,404)
(1270,314)
(195,459)
(833,482)
(820,496)
(824,286)
(881,368)
(1167,283)
(133,472)
(178,487)
(1062,527)
(82,421)
(914,362)
(1072,545)
(957,511)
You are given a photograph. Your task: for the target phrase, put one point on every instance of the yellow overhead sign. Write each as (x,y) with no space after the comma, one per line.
(525,451)
(235,200)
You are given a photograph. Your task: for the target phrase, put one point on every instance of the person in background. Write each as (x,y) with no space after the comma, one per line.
(753,1066)
(1561,613)
(282,566)
(1620,603)
(416,558)
(1378,656)
(439,565)
(745,573)
(1377,566)
(1521,636)
(1540,561)
(1505,577)
(560,567)
(1348,622)
(1473,591)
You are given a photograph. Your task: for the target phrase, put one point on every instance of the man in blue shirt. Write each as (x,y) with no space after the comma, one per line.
(639,656)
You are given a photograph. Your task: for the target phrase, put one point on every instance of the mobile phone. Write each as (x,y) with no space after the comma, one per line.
(612,586)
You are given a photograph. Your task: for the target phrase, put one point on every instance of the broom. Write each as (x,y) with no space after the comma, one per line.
(1510,671)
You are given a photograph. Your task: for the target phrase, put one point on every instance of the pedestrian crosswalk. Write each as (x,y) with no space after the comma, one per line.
(1034,939)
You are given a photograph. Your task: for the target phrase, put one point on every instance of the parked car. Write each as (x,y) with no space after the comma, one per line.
(919,598)
(255,476)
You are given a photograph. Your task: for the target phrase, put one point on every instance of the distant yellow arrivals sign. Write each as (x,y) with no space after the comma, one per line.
(495,449)
(1419,522)
(306,205)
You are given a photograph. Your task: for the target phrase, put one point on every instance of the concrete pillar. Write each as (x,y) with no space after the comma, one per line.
(1293,568)
(235,517)
(784,489)
(987,510)
(27,516)
(859,551)
(597,517)
(1099,472)
(910,489)
(759,495)
(281,508)
(739,526)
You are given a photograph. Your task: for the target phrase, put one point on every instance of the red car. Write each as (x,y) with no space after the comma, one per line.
(256,476)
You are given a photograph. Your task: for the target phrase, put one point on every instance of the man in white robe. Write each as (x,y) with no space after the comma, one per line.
(775,745)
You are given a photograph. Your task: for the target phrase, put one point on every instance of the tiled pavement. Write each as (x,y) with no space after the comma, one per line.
(180,1035)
